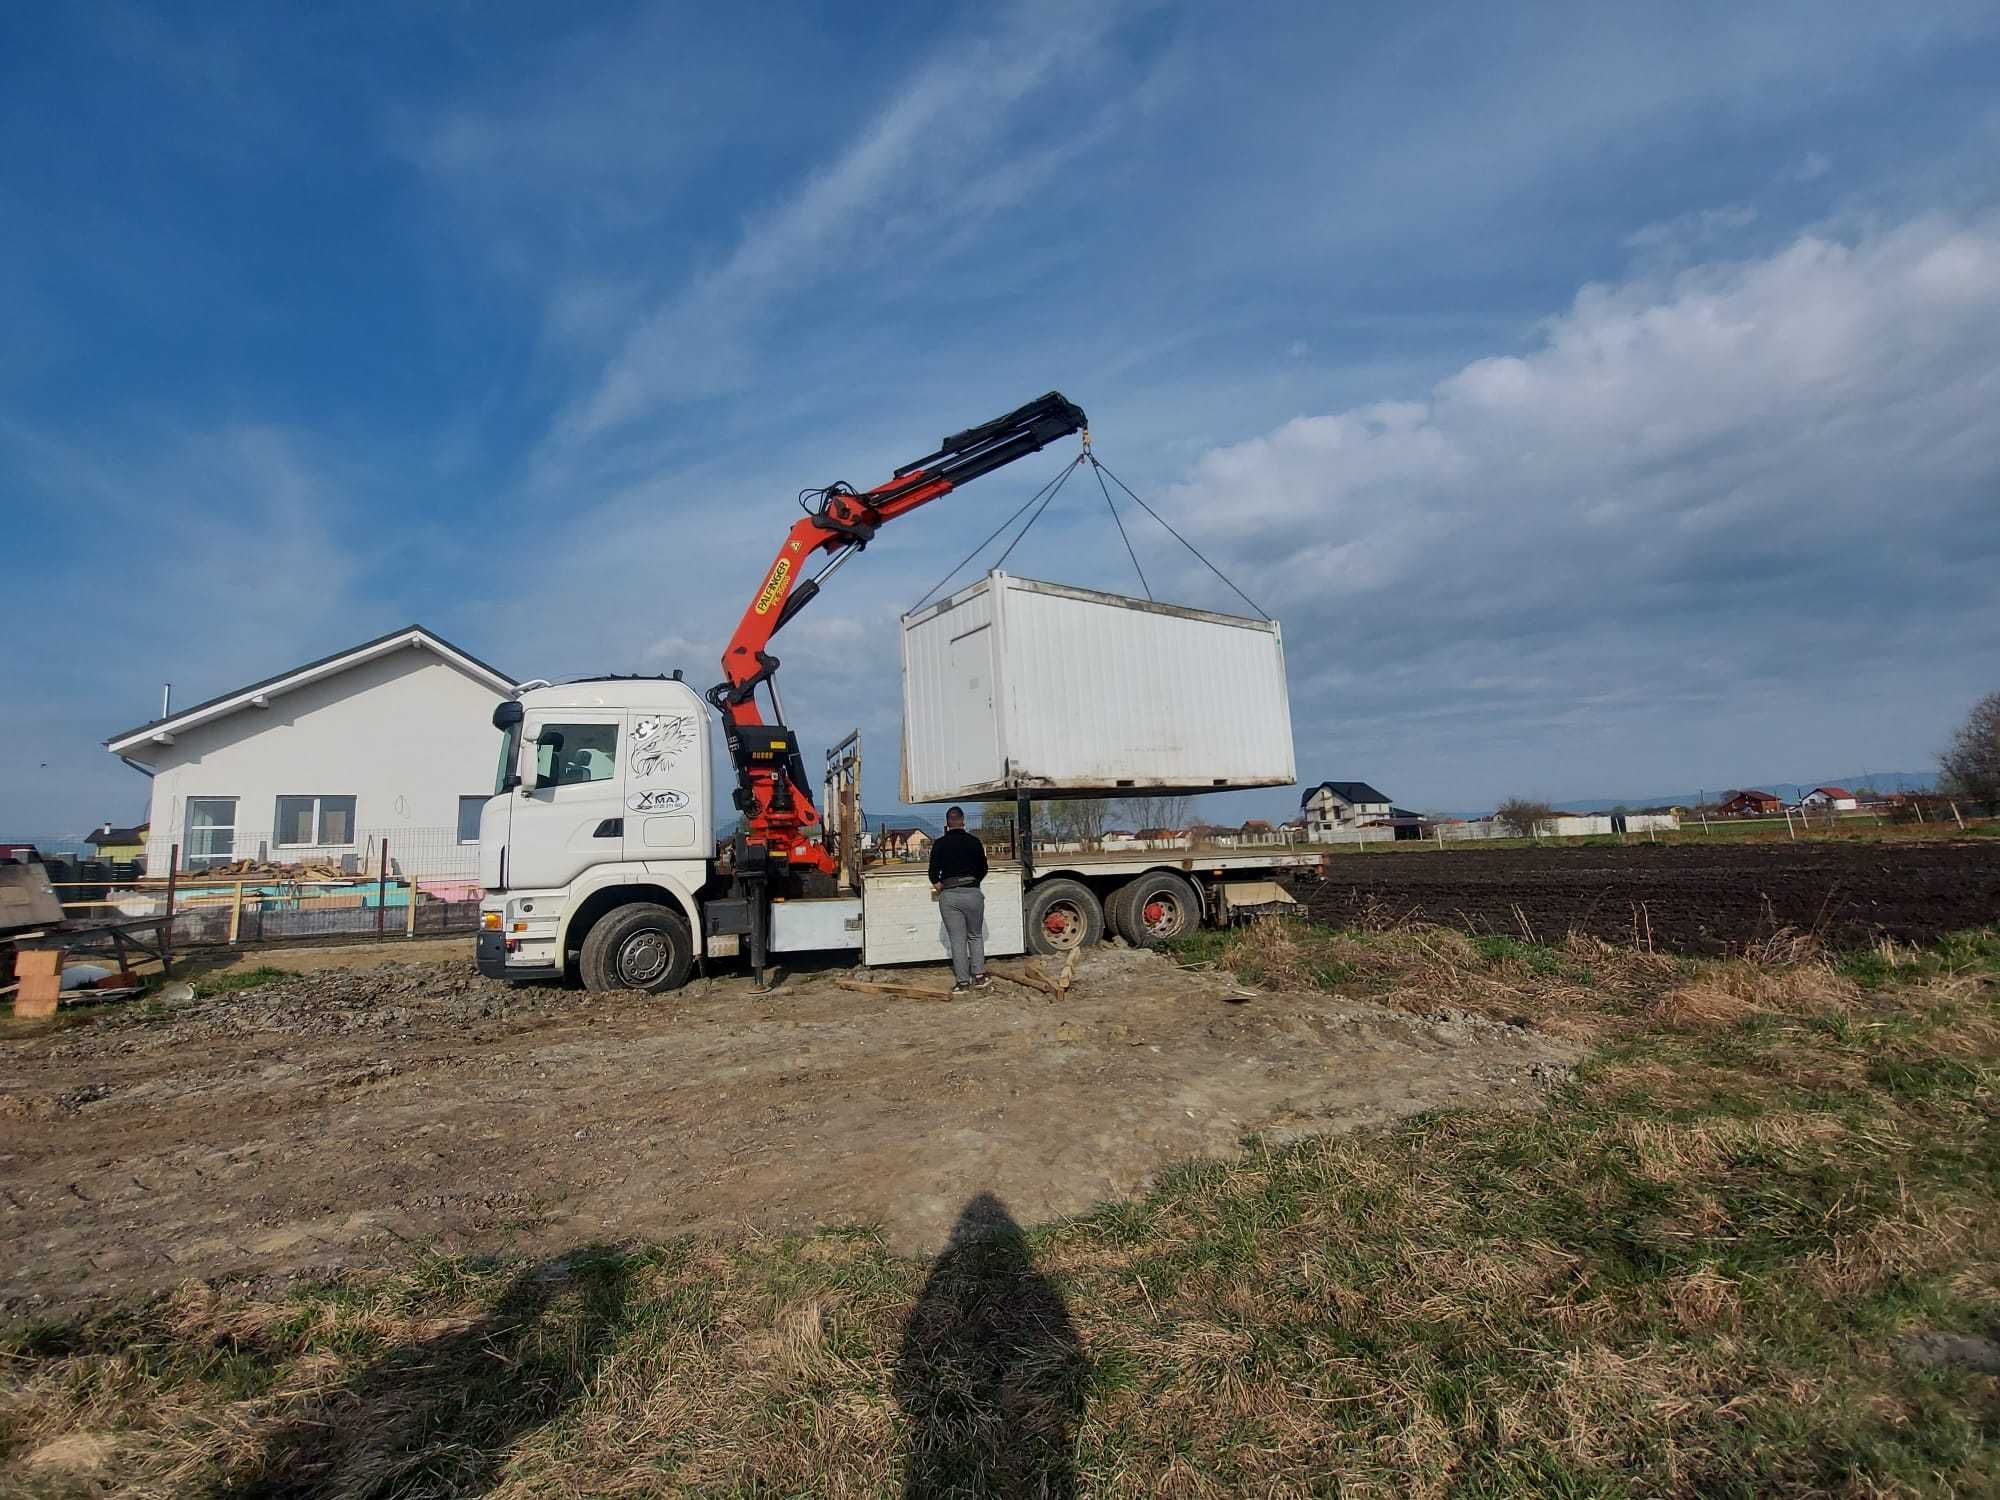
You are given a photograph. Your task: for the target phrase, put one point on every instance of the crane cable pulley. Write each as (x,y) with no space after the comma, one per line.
(1049,491)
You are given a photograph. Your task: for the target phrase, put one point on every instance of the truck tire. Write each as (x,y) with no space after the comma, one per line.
(1155,908)
(644,946)
(1116,922)
(1061,915)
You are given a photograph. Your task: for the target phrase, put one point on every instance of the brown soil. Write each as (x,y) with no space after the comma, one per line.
(339,1118)
(1684,897)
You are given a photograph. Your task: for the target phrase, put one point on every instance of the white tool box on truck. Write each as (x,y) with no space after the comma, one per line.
(1013,686)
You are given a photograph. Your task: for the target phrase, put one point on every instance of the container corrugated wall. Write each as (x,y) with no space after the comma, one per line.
(1014,685)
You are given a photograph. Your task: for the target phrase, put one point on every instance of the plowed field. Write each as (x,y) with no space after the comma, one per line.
(1684,897)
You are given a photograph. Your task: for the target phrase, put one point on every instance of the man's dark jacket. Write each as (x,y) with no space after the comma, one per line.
(957,858)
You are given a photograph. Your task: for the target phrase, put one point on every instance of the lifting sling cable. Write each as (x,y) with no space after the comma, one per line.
(1119,521)
(1001,560)
(1048,490)
(1179,538)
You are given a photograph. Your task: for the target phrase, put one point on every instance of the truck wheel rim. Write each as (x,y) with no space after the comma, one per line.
(1063,925)
(643,959)
(1162,916)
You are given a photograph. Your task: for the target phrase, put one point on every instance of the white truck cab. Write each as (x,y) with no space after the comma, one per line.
(602,804)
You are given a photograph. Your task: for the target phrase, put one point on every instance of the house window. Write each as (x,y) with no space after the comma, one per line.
(313,822)
(469,809)
(211,831)
(588,754)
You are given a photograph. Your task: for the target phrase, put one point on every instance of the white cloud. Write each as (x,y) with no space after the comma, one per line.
(1692,231)
(1779,471)
(921,168)
(207,557)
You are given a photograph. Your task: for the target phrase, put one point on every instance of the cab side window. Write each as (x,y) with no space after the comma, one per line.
(589,752)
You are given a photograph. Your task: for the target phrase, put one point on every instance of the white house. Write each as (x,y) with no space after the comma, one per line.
(390,741)
(1838,798)
(1336,806)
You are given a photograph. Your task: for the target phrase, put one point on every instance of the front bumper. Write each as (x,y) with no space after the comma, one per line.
(490,953)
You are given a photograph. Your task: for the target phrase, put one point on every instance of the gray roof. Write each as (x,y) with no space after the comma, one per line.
(1347,791)
(333,656)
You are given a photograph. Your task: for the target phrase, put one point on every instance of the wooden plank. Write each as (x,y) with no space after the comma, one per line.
(1027,975)
(37,963)
(1068,972)
(902,991)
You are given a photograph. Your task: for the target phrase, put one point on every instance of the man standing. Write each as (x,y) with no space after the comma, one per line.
(958,864)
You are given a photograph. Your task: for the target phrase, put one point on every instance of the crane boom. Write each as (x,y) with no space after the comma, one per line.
(771,796)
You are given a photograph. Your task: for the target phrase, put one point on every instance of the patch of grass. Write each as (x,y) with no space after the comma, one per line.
(227,981)
(1973,952)
(1687,1274)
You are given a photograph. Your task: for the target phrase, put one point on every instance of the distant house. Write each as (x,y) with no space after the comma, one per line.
(905,843)
(1838,798)
(387,742)
(1213,834)
(1162,838)
(125,844)
(1118,838)
(1336,805)
(1750,803)
(1258,831)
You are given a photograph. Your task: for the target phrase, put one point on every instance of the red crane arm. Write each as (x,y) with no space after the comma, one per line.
(771,793)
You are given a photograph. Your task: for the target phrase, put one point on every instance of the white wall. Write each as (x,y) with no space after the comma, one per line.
(1352,835)
(1566,826)
(405,735)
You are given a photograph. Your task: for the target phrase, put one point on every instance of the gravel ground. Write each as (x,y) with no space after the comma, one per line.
(337,1119)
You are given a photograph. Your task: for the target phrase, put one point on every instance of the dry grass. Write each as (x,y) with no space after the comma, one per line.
(1686,1276)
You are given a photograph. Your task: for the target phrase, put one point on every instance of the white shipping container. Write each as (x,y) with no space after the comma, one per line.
(1012,685)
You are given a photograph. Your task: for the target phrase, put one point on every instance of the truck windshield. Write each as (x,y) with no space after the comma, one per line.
(510,746)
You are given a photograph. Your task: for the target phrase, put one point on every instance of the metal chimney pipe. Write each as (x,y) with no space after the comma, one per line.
(166,698)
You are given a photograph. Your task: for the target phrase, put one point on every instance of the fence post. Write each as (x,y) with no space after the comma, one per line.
(167,931)
(410,916)
(382,891)
(236,915)
(1955,817)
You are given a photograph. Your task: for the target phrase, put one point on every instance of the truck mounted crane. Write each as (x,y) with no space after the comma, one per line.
(596,851)
(771,795)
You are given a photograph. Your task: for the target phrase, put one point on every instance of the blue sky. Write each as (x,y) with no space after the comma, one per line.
(1604,402)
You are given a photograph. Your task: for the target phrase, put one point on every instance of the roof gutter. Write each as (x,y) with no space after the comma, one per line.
(144,770)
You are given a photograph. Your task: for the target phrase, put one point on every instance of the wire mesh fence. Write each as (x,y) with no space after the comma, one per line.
(253,889)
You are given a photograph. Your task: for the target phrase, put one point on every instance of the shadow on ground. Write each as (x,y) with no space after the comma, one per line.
(991,1373)
(443,1415)
(990,1376)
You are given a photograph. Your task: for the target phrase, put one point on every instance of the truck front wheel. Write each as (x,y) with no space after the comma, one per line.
(643,946)
(1061,915)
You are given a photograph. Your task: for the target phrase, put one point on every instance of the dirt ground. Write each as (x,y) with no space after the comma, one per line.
(339,1118)
(1687,898)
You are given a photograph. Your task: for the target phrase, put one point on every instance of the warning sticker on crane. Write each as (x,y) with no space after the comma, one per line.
(774,585)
